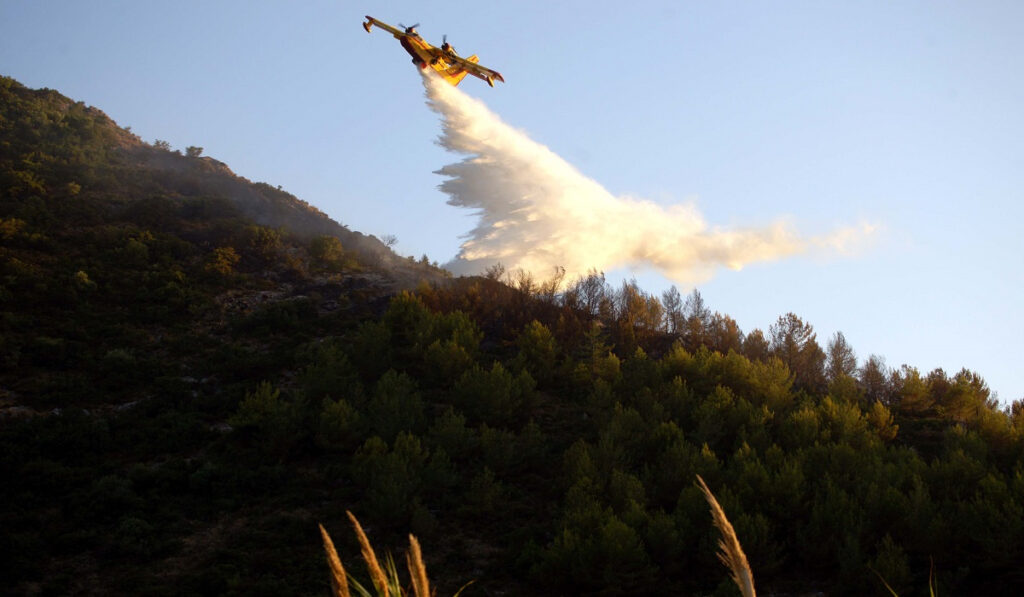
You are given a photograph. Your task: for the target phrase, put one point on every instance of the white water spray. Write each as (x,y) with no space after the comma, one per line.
(537,212)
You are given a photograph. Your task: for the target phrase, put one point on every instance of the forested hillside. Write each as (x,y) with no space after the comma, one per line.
(196,370)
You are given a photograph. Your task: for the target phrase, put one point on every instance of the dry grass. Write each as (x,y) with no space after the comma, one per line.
(339,582)
(377,576)
(387,583)
(730,552)
(418,572)
(385,579)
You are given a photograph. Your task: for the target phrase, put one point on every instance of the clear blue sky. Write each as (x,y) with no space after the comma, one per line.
(906,115)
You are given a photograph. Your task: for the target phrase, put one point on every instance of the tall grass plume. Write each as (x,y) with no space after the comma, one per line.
(377,576)
(385,579)
(730,552)
(339,582)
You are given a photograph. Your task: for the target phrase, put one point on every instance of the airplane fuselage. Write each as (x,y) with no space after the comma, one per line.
(424,55)
(443,60)
(416,47)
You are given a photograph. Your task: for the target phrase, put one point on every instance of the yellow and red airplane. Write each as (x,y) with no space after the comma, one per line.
(444,60)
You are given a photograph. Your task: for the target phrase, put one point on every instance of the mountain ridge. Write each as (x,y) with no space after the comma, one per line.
(93,221)
(188,175)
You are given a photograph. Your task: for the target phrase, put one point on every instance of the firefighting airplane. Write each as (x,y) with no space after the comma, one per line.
(444,60)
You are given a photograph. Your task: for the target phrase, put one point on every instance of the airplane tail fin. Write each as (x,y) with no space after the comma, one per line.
(455,74)
(456,77)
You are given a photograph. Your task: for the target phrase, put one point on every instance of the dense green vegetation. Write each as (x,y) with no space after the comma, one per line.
(188,389)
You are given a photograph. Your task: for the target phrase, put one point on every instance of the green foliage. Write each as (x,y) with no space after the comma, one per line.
(891,564)
(550,437)
(495,396)
(485,496)
(339,427)
(450,433)
(881,420)
(795,344)
(285,317)
(223,261)
(329,373)
(371,349)
(263,242)
(395,407)
(843,421)
(392,477)
(328,254)
(446,361)
(606,556)
(538,353)
(275,424)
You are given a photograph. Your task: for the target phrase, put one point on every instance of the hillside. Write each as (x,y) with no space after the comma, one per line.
(196,369)
(99,225)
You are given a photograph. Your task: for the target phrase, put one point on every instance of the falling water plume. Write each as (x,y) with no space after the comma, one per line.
(536,211)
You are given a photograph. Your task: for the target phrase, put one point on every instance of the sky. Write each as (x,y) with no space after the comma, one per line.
(903,117)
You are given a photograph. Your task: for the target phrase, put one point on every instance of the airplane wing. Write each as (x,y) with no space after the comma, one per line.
(478,71)
(374,22)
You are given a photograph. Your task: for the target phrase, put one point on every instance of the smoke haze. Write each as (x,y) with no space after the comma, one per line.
(536,211)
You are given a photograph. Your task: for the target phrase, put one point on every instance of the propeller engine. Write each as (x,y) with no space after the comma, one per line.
(445,46)
(409,30)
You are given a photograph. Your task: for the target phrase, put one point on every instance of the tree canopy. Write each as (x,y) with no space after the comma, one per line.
(189,388)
